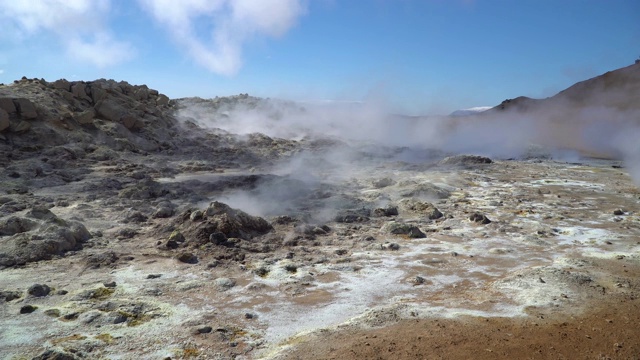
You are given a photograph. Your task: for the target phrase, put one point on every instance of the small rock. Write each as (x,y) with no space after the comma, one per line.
(392,246)
(28,309)
(187,257)
(52,312)
(618,212)
(382,183)
(163,212)
(110,284)
(8,295)
(419,280)
(408,230)
(218,238)
(386,211)
(224,283)
(38,290)
(479,218)
(204,329)
(196,215)
(154,276)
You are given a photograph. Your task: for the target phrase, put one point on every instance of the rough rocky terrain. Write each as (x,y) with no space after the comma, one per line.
(130,230)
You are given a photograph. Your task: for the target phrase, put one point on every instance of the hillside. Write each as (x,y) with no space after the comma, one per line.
(618,89)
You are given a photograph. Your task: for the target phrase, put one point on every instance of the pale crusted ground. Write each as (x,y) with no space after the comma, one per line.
(554,253)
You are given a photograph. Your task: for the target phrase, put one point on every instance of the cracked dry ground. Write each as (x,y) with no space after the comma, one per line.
(552,274)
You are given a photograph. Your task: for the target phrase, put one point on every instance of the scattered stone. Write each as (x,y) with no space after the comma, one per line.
(389,210)
(52,312)
(419,280)
(398,228)
(382,183)
(218,238)
(27,309)
(224,284)
(203,329)
(426,191)
(421,207)
(187,257)
(110,284)
(38,290)
(618,212)
(479,218)
(163,212)
(55,354)
(353,216)
(8,295)
(464,160)
(154,276)
(196,215)
(391,246)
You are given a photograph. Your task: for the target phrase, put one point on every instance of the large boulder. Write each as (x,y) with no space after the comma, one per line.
(219,224)
(132,122)
(7,105)
(4,120)
(79,91)
(142,93)
(97,93)
(109,109)
(162,100)
(25,108)
(85,117)
(62,84)
(39,237)
(234,222)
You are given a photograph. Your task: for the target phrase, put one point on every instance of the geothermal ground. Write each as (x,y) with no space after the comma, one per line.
(253,247)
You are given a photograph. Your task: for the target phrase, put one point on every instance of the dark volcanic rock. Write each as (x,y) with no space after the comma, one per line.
(8,295)
(411,231)
(38,290)
(479,218)
(49,236)
(464,160)
(353,215)
(422,207)
(389,210)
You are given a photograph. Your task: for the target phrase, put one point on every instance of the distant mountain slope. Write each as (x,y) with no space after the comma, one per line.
(618,89)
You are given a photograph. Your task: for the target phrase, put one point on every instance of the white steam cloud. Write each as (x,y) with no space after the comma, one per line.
(77,24)
(231,22)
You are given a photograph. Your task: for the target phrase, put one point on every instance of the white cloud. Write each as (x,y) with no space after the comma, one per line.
(232,23)
(77,24)
(1,71)
(102,50)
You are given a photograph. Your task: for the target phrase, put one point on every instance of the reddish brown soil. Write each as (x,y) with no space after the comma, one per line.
(608,329)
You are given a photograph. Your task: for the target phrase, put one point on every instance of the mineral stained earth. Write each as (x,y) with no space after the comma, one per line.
(129,230)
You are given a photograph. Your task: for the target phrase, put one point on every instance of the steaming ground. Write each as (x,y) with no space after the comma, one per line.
(263,229)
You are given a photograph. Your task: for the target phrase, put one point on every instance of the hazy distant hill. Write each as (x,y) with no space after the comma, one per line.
(618,89)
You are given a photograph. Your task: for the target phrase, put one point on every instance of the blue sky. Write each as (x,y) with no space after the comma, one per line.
(415,56)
